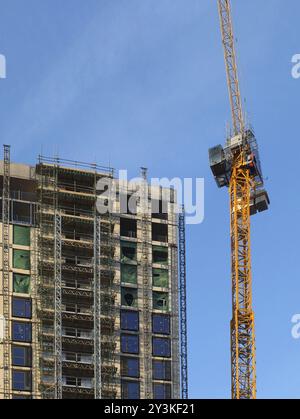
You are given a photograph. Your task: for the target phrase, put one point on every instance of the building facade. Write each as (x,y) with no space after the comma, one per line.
(89,284)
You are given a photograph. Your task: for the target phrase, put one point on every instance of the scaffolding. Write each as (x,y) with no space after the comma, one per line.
(58,304)
(35,324)
(183,305)
(97,308)
(6,271)
(77,314)
(146,286)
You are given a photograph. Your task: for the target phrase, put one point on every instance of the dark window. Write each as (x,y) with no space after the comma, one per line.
(22,308)
(129,297)
(128,203)
(161,370)
(160,232)
(159,209)
(128,252)
(128,227)
(130,367)
(162,347)
(21,380)
(130,344)
(72,381)
(21,332)
(21,356)
(130,390)
(161,391)
(17,397)
(130,320)
(161,324)
(160,255)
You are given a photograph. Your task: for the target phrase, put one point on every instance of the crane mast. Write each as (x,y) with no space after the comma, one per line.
(243,362)
(237,166)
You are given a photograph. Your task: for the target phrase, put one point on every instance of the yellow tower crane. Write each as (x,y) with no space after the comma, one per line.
(237,166)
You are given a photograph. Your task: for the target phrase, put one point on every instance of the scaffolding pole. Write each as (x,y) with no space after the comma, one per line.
(183,306)
(146,287)
(97,309)
(36,324)
(58,305)
(6,269)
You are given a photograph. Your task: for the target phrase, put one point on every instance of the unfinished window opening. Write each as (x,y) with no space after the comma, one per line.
(128,252)
(21,259)
(129,297)
(159,209)
(129,274)
(21,235)
(160,232)
(161,301)
(128,227)
(21,284)
(160,255)
(160,278)
(128,203)
(23,212)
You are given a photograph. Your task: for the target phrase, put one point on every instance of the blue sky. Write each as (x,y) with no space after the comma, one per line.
(142,83)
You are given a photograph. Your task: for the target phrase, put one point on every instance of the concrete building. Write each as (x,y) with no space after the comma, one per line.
(89,298)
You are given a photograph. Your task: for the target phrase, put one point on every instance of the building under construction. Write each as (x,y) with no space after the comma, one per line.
(89,304)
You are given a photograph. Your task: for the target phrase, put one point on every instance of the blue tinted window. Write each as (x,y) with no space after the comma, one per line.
(21,331)
(130,344)
(161,324)
(162,391)
(130,390)
(21,380)
(22,308)
(130,320)
(21,356)
(130,367)
(161,370)
(161,347)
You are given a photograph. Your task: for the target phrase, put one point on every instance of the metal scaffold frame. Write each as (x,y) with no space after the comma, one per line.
(36,324)
(147,298)
(97,309)
(58,304)
(173,272)
(70,190)
(183,306)
(6,271)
